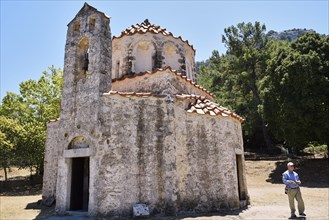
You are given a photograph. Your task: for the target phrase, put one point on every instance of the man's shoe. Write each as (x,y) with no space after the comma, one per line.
(293,216)
(302,214)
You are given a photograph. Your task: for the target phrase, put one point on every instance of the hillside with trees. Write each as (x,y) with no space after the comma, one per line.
(288,35)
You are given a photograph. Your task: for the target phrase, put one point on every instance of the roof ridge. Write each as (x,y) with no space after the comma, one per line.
(129,94)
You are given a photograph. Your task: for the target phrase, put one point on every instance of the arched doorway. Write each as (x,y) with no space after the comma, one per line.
(79,196)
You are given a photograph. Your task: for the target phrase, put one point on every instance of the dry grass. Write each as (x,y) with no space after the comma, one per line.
(268,200)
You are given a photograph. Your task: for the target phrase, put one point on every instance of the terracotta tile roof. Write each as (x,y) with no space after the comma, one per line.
(163,70)
(147,27)
(204,106)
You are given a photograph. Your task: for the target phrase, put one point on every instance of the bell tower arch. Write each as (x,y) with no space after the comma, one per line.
(82,59)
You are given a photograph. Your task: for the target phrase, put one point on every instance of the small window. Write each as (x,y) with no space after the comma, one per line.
(77,28)
(85,63)
(92,22)
(190,73)
(117,70)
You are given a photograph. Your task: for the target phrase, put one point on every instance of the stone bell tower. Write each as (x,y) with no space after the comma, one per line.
(70,165)
(87,64)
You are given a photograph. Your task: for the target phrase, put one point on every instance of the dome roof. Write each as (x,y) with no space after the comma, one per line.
(147,27)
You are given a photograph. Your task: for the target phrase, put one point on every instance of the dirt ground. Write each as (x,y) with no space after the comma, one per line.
(268,200)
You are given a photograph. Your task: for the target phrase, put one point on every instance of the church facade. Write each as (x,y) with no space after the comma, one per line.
(136,128)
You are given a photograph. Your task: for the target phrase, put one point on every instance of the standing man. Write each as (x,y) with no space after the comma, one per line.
(292,182)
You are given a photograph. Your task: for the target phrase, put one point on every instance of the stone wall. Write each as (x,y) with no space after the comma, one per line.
(153,152)
(206,163)
(134,155)
(51,162)
(148,150)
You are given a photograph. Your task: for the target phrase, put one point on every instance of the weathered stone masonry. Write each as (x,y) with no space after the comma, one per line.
(153,137)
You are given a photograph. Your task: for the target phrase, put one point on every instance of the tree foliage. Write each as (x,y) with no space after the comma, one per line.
(12,137)
(38,102)
(280,87)
(235,77)
(297,91)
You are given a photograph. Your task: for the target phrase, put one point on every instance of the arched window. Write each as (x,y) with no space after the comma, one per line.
(171,56)
(144,52)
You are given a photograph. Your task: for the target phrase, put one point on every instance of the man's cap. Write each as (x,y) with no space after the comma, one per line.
(290,164)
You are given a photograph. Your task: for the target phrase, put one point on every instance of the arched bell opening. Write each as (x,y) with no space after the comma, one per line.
(82,69)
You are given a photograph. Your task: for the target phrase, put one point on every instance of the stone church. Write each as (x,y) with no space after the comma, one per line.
(135,128)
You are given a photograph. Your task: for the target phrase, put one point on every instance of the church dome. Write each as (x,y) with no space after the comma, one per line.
(147,47)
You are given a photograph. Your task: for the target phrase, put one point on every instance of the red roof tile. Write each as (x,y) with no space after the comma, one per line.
(145,27)
(163,70)
(205,106)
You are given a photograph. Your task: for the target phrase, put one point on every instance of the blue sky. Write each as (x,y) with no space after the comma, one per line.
(33,32)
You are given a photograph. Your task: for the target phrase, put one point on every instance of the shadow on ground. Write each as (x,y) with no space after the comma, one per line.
(48,213)
(21,186)
(45,212)
(312,172)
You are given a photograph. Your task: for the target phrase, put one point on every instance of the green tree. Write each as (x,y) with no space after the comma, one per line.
(11,138)
(236,76)
(296,102)
(208,71)
(38,102)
